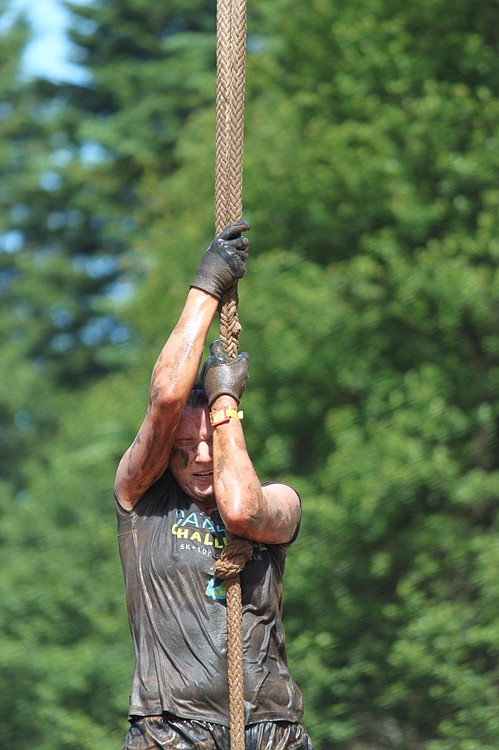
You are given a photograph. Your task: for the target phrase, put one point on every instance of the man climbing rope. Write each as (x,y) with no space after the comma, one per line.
(185,482)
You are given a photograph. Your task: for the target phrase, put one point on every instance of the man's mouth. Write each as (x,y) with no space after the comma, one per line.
(203,474)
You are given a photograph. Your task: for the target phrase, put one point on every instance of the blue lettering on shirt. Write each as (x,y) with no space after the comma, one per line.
(217,588)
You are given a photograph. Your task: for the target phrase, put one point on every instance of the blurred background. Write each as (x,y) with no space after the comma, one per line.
(370,309)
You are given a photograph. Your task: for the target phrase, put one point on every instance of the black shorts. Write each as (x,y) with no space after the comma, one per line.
(153,732)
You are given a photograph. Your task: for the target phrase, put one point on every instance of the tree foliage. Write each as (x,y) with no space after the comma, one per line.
(370,312)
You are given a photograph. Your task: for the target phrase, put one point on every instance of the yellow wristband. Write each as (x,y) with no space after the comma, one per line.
(220,416)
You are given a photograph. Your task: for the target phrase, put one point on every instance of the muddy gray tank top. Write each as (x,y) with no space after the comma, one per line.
(177,614)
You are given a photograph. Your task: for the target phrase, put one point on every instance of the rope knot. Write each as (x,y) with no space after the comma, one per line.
(233,558)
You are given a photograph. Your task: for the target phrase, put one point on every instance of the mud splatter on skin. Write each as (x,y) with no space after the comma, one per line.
(154,452)
(182,454)
(284,519)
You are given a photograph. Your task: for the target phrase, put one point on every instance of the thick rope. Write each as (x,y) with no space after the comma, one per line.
(230,563)
(223,109)
(231,70)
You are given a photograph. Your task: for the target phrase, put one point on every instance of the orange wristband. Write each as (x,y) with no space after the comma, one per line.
(223,415)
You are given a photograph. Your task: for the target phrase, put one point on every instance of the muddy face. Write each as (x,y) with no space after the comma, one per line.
(191,459)
(181,456)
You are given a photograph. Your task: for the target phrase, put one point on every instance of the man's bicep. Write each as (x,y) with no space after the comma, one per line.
(283,506)
(144,462)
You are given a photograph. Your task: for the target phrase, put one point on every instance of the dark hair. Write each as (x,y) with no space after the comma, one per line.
(197,397)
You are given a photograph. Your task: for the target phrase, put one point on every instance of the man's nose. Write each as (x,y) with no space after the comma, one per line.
(204,450)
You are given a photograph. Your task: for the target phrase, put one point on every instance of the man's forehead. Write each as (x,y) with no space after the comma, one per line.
(193,421)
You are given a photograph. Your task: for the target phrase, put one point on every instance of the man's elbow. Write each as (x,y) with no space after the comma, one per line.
(241,521)
(165,400)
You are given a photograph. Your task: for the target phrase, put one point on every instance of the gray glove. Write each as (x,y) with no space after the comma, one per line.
(225,260)
(222,375)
